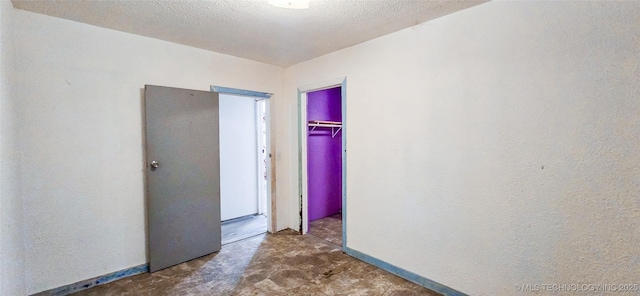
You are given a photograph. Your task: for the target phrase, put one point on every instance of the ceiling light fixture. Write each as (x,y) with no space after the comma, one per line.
(291,4)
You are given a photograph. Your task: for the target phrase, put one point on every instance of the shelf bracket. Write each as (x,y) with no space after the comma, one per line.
(335,132)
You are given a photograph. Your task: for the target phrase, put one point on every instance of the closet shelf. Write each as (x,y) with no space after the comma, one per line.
(335,126)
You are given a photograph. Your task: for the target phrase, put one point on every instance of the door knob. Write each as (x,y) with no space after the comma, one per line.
(155,164)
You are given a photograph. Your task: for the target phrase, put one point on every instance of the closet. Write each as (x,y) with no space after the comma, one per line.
(324,153)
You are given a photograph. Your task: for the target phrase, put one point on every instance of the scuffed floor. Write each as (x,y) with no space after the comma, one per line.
(272,264)
(328,228)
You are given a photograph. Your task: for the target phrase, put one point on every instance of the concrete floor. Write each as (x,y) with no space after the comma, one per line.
(270,264)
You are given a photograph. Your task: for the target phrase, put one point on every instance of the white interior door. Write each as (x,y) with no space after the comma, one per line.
(238,157)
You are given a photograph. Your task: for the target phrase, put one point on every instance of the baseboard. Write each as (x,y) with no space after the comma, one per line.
(86,284)
(407,275)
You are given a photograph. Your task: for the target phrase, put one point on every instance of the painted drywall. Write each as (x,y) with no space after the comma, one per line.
(81,94)
(11,221)
(238,157)
(324,155)
(495,146)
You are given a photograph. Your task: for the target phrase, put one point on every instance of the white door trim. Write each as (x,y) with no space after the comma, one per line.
(271,203)
(302,152)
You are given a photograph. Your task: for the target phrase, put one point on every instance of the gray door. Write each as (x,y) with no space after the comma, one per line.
(183,174)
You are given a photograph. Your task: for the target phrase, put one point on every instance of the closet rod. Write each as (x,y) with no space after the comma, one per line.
(332,124)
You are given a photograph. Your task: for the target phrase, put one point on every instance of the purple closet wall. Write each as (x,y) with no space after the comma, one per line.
(324,155)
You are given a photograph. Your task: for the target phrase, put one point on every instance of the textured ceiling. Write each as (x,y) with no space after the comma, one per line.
(253,29)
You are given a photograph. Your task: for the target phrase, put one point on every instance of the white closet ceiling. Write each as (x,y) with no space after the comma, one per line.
(253,29)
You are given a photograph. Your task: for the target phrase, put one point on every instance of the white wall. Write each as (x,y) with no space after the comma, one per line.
(494,146)
(11,247)
(81,90)
(238,157)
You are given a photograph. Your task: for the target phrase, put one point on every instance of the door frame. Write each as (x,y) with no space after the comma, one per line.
(262,200)
(266,97)
(302,151)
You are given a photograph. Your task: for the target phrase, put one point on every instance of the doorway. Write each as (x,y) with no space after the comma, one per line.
(182,170)
(322,161)
(244,164)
